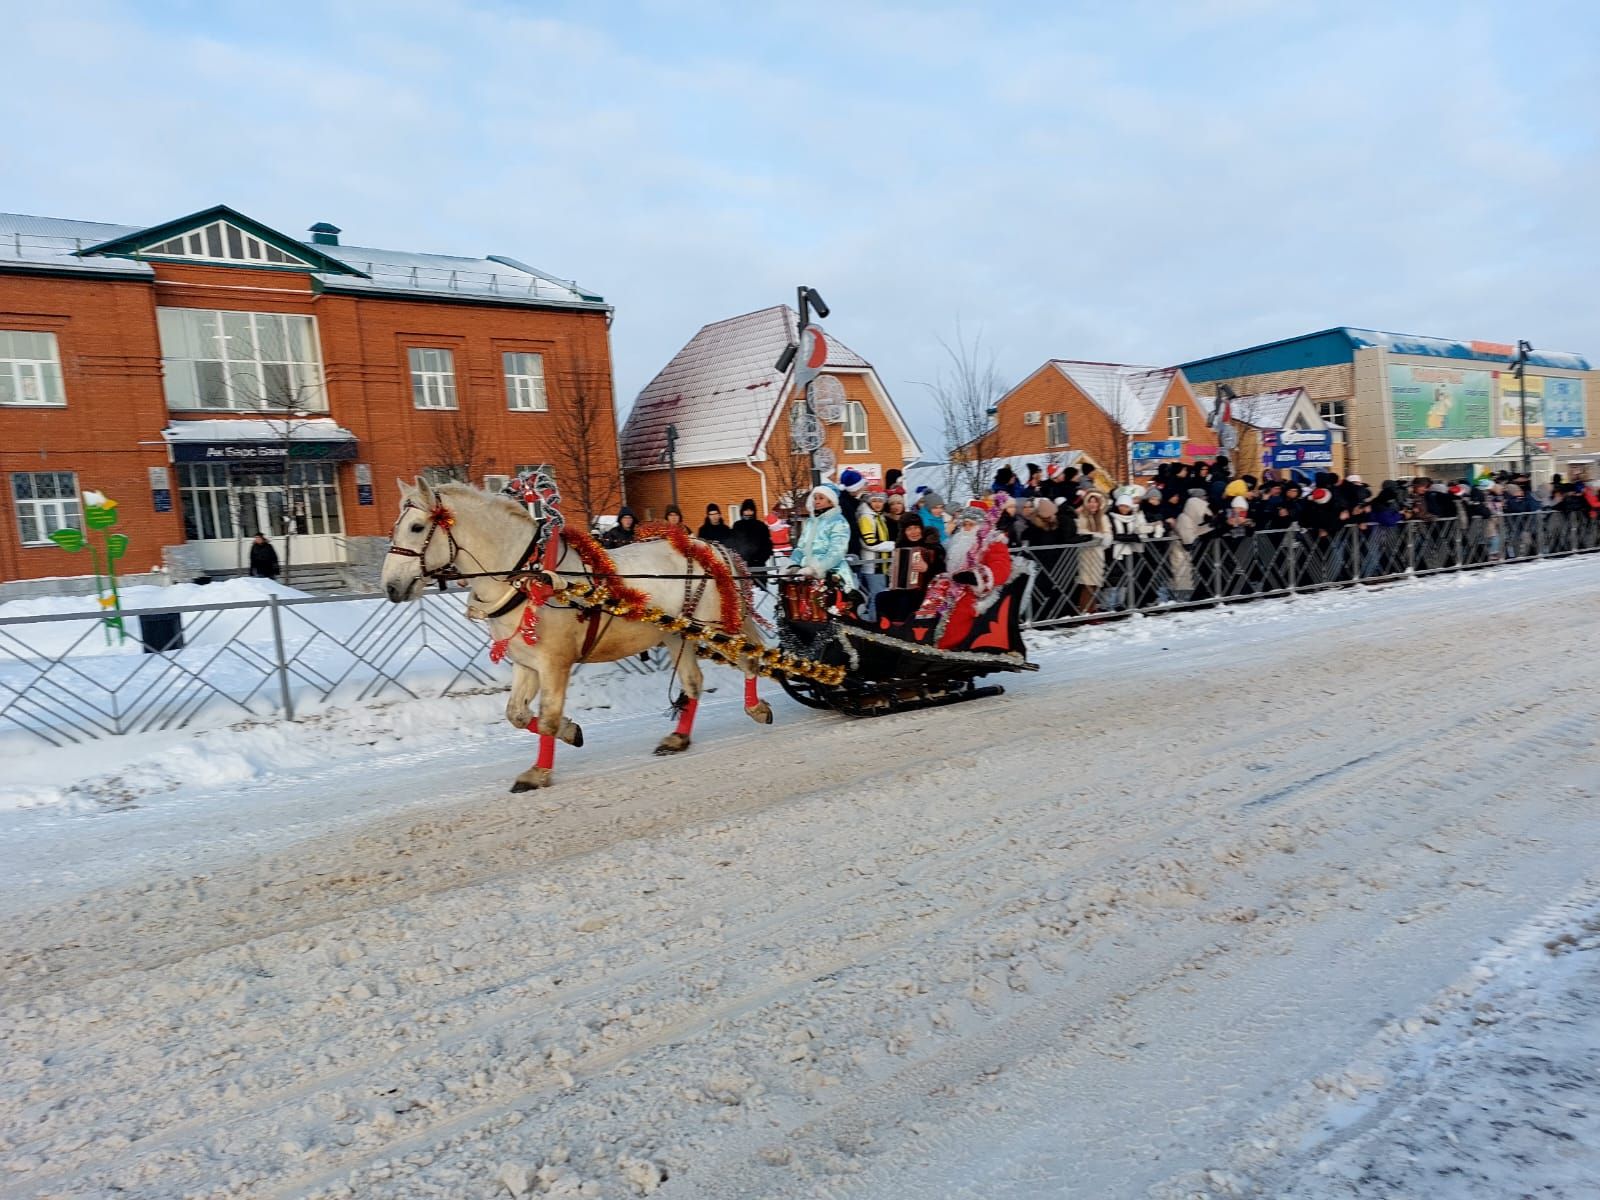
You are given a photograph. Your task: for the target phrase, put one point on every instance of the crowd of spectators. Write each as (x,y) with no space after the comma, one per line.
(1197,529)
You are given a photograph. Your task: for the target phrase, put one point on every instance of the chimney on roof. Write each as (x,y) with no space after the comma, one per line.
(324,234)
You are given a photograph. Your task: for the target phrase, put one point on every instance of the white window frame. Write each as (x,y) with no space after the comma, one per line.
(49,513)
(222,241)
(30,362)
(1332,412)
(204,349)
(433,379)
(1054,422)
(855,428)
(1177,423)
(525,389)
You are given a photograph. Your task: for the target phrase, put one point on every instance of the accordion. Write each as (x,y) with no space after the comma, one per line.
(910,568)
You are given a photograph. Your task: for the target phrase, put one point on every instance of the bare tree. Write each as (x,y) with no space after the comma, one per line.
(966,393)
(460,451)
(288,400)
(790,468)
(583,439)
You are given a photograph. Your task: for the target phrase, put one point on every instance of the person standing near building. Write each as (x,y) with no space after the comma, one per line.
(750,538)
(263,558)
(623,532)
(714,529)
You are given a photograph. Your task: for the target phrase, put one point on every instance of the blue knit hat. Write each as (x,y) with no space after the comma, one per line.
(849,477)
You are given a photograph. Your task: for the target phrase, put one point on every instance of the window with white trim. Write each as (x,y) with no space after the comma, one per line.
(240,361)
(1055,429)
(223,241)
(525,382)
(1331,412)
(1177,422)
(45,502)
(433,377)
(855,427)
(30,368)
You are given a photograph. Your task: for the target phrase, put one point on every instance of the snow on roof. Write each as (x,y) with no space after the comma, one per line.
(53,243)
(1266,410)
(719,391)
(1129,395)
(249,429)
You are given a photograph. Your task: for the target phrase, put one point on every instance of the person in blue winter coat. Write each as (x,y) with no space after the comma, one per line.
(824,539)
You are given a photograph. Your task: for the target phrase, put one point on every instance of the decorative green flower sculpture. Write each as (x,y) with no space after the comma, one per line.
(100,513)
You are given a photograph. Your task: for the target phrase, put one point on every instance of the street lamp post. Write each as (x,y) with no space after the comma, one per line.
(806,299)
(1519,368)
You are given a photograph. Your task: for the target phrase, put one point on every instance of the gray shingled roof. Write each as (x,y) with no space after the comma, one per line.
(52,243)
(719,390)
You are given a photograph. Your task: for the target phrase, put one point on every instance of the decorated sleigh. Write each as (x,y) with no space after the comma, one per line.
(896,667)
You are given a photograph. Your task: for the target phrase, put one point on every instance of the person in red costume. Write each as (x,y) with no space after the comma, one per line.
(980,565)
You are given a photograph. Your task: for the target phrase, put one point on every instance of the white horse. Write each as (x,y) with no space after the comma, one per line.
(457,528)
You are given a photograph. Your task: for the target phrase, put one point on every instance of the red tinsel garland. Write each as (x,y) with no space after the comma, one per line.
(731,617)
(603,572)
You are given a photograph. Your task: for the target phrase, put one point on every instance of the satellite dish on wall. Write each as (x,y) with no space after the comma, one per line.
(827,397)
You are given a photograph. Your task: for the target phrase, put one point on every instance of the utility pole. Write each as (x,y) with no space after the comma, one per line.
(1519,368)
(806,299)
(672,463)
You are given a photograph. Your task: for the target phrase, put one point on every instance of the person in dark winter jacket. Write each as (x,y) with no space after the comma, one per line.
(750,538)
(714,529)
(623,532)
(263,558)
(1005,480)
(673,515)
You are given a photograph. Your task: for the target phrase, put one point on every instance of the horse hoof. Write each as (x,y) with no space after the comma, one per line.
(760,712)
(673,743)
(533,777)
(571,733)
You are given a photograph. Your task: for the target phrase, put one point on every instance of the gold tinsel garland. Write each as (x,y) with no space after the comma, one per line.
(708,643)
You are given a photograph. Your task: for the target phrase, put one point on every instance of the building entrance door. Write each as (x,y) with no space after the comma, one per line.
(224,508)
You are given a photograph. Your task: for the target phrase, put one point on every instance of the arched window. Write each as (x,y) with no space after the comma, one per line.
(855,428)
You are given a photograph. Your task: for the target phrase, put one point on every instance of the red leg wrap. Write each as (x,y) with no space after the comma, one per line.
(750,697)
(547,751)
(686,717)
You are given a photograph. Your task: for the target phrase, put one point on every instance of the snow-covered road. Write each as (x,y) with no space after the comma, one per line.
(1096,938)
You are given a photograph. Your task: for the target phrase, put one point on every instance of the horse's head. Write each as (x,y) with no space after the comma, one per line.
(421,546)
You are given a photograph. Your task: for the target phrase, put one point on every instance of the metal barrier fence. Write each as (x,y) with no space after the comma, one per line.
(1085,581)
(61,682)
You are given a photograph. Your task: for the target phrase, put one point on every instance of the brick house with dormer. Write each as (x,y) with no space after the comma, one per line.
(1125,420)
(734,413)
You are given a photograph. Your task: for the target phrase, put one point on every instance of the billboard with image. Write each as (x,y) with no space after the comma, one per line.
(1564,413)
(1441,403)
(1513,397)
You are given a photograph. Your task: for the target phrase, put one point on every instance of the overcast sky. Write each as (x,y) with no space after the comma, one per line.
(1131,182)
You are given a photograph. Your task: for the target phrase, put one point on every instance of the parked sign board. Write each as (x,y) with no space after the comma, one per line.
(1302,448)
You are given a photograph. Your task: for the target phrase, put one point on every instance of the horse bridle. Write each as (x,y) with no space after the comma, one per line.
(441,518)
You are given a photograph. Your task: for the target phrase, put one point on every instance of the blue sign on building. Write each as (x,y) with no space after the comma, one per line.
(1303,448)
(1152,451)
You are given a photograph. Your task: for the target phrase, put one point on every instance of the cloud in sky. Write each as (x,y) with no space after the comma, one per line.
(1144,182)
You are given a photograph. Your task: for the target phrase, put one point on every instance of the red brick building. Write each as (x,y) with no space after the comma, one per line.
(1123,419)
(734,413)
(218,378)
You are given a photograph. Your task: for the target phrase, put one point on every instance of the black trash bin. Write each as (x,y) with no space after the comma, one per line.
(161,631)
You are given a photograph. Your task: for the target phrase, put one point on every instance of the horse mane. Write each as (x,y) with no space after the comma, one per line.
(452,490)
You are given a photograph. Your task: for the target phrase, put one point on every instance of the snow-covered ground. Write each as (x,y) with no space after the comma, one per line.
(1251,902)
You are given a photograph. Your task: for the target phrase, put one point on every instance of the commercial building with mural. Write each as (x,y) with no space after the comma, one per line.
(219,378)
(1412,406)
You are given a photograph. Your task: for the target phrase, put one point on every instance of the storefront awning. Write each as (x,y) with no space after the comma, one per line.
(1477,450)
(250,440)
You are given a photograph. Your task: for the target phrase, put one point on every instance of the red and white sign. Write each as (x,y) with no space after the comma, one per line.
(811,357)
